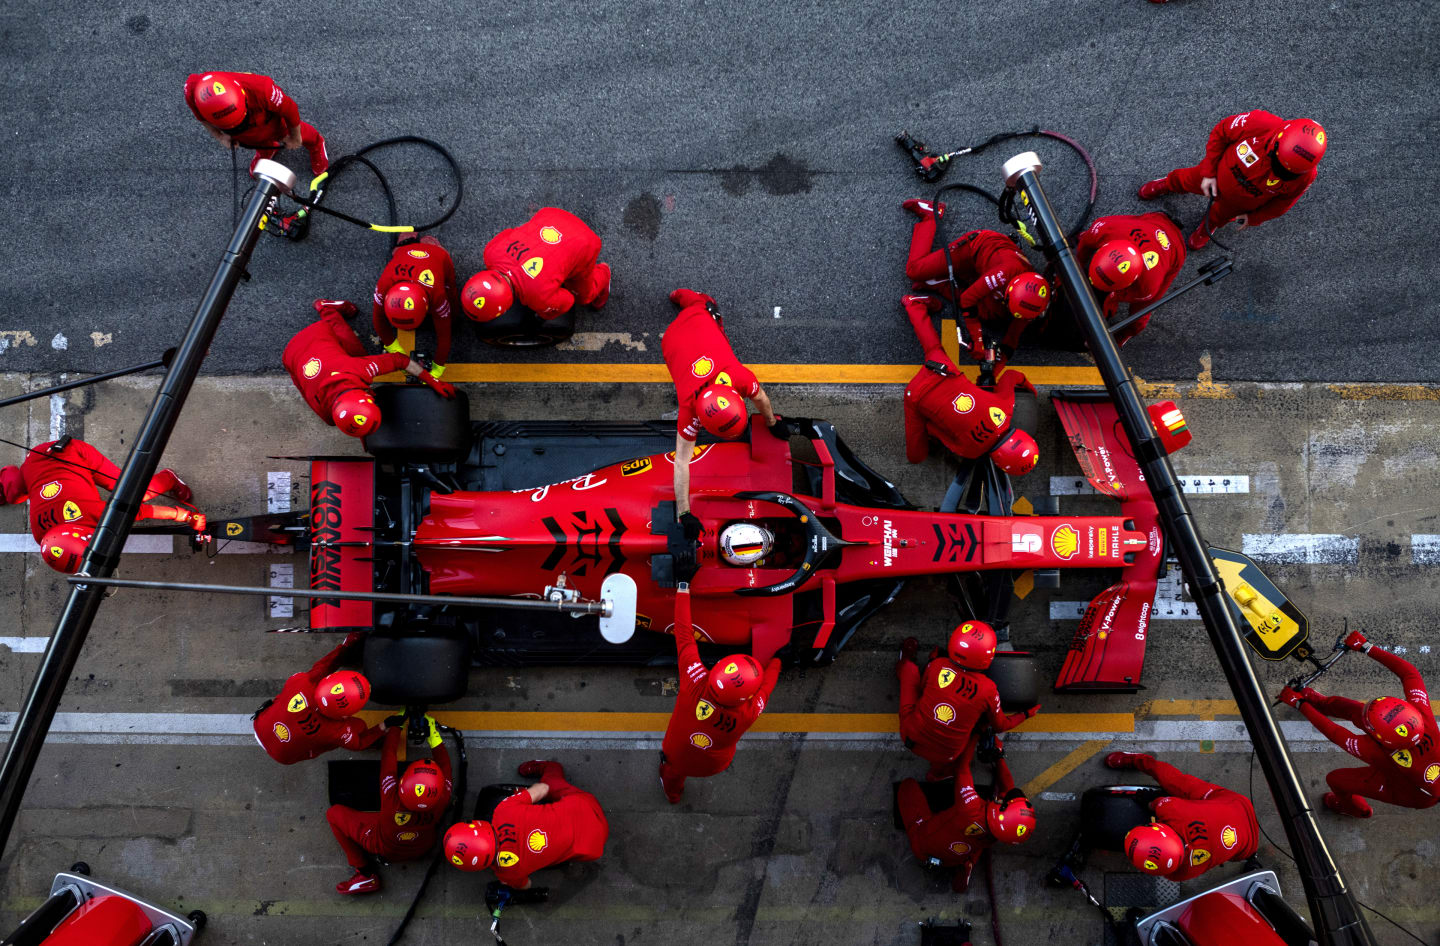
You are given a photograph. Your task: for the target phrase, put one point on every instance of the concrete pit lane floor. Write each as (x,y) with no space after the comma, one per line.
(152,777)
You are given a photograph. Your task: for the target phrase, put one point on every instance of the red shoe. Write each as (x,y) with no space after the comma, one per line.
(1359,808)
(180,490)
(922,208)
(1152,189)
(599,301)
(360,883)
(909,647)
(1122,760)
(533,768)
(1200,238)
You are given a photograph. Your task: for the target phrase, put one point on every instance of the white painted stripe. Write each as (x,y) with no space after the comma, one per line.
(25,645)
(57,416)
(236,547)
(1057,796)
(1170,603)
(144,544)
(277,491)
(282,575)
(1425,549)
(1302,548)
(1196,485)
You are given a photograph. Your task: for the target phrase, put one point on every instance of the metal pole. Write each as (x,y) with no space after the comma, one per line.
(1337,918)
(103,554)
(160,362)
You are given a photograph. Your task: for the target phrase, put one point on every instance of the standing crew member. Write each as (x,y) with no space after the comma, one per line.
(1001,288)
(405,827)
(713,709)
(548,823)
(329,366)
(419,280)
(1131,259)
(547,264)
(710,383)
(1256,166)
(1198,825)
(940,708)
(969,420)
(62,480)
(958,835)
(1398,743)
(315,711)
(249,110)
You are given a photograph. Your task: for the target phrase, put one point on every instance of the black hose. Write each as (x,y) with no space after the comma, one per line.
(341,163)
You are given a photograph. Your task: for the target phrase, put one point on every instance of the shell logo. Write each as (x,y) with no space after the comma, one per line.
(701,741)
(1228,837)
(311,369)
(704,710)
(946,677)
(1151,258)
(282,732)
(507,858)
(1403,758)
(550,235)
(406,836)
(417,254)
(50,490)
(1163,239)
(959,847)
(944,713)
(1199,856)
(702,367)
(537,841)
(426,277)
(298,703)
(964,404)
(402,818)
(1243,149)
(997,416)
(1432,772)
(1065,541)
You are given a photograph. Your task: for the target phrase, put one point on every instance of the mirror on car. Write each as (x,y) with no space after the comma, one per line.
(618,591)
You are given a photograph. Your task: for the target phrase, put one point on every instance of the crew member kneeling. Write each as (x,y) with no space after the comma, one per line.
(547,264)
(418,281)
(315,711)
(1131,259)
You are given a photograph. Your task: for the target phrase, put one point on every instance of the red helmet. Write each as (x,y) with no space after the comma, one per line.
(1154,848)
(972,645)
(423,787)
(406,304)
(721,411)
(1017,454)
(735,679)
(355,413)
(1115,265)
(220,102)
(1027,295)
(343,693)
(470,845)
(488,295)
(1394,723)
(63,547)
(1010,821)
(1300,145)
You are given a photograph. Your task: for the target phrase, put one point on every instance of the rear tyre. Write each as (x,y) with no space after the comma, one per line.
(1016,678)
(81,868)
(1107,814)
(521,328)
(492,795)
(416,424)
(417,669)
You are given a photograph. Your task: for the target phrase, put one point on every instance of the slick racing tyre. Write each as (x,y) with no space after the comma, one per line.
(417,669)
(492,795)
(1014,674)
(521,328)
(416,424)
(1108,812)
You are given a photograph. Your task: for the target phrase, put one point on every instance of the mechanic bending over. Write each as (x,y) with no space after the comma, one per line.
(405,827)
(1197,825)
(547,264)
(249,110)
(62,479)
(1132,259)
(329,366)
(1399,741)
(971,421)
(548,823)
(419,280)
(1001,288)
(1256,166)
(710,383)
(941,706)
(714,707)
(315,711)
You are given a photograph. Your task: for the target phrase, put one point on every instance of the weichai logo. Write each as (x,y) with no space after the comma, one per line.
(325,521)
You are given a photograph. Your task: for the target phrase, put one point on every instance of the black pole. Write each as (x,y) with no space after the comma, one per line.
(160,362)
(1337,918)
(1209,278)
(33,723)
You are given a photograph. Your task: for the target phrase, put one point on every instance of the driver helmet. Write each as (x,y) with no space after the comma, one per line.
(745,543)
(1394,723)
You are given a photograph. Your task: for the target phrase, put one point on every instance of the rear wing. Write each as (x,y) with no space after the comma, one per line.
(342,520)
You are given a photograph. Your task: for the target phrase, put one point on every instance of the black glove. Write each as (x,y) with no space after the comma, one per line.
(987,752)
(397,720)
(782,428)
(692,526)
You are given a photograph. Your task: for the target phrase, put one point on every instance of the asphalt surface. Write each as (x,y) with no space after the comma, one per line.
(741,150)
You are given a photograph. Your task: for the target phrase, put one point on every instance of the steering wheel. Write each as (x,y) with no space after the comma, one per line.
(819,542)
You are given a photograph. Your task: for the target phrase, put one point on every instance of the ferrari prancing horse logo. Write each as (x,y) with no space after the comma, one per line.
(703,710)
(297,703)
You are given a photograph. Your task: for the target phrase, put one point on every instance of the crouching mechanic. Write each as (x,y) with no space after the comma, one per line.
(548,823)
(249,110)
(958,835)
(1131,259)
(1000,287)
(1197,825)
(940,708)
(547,264)
(315,711)
(1399,742)
(62,480)
(1256,166)
(329,366)
(713,709)
(418,281)
(405,827)
(971,421)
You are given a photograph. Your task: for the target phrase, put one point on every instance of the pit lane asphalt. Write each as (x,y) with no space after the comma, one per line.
(741,149)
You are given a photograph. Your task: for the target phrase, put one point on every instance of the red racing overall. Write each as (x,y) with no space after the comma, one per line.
(394,832)
(985,261)
(550,262)
(940,709)
(1216,824)
(428,264)
(968,419)
(269,117)
(1162,250)
(698,354)
(325,359)
(291,730)
(958,835)
(63,487)
(566,825)
(1409,778)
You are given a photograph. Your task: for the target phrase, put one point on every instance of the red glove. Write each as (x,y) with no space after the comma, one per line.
(1291,698)
(1357,641)
(353,639)
(689,297)
(180,491)
(1032,711)
(195,520)
(443,388)
(347,309)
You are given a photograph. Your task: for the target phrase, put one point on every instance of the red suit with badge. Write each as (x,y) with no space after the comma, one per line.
(566,825)
(428,264)
(1248,179)
(1162,253)
(1409,778)
(290,729)
(63,487)
(985,261)
(940,708)
(394,832)
(955,836)
(698,354)
(550,261)
(1216,824)
(325,359)
(968,419)
(270,115)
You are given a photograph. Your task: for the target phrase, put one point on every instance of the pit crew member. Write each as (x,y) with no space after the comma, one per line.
(315,711)
(1131,259)
(547,264)
(418,281)
(249,110)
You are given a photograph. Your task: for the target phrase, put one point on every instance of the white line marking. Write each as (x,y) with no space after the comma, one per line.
(25,645)
(1170,603)
(1425,549)
(101,338)
(277,491)
(57,416)
(144,544)
(1302,548)
(1201,485)
(1057,796)
(282,575)
(60,342)
(777,312)
(236,547)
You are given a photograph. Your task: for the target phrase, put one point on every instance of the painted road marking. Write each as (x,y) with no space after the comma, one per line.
(1201,485)
(142,544)
(1170,603)
(25,645)
(277,491)
(57,415)
(1425,549)
(1301,548)
(615,373)
(1070,762)
(282,575)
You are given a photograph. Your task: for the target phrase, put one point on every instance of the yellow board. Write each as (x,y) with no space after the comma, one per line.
(1273,626)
